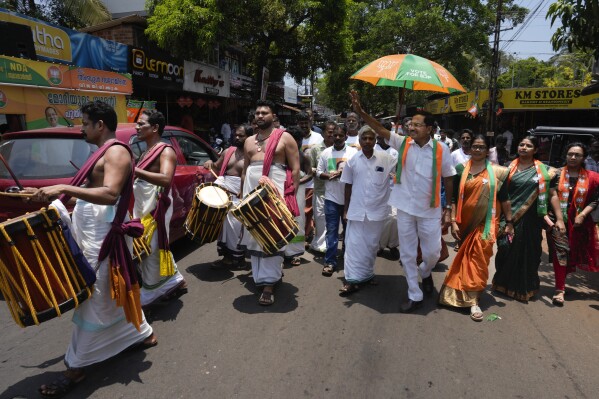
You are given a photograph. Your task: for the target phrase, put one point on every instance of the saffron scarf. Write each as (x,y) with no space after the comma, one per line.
(437,164)
(543,180)
(228,154)
(580,191)
(124,287)
(155,220)
(489,229)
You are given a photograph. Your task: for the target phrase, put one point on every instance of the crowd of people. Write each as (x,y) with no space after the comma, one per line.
(372,186)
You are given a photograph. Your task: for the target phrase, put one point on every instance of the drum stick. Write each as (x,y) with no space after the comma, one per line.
(22,195)
(17,182)
(213,173)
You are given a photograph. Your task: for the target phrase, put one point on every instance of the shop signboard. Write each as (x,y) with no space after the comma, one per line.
(290,95)
(136,107)
(39,104)
(56,43)
(156,68)
(206,79)
(520,99)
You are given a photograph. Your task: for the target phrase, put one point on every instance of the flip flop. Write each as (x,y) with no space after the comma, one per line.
(558,298)
(348,289)
(327,271)
(60,387)
(476,313)
(266,299)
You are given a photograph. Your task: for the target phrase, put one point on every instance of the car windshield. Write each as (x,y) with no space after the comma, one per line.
(44,158)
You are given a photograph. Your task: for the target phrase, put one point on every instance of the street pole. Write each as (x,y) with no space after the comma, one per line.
(494,71)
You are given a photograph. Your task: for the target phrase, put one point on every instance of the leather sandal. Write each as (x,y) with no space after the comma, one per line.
(558,298)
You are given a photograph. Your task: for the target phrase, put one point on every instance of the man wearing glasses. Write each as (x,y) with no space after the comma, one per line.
(423,162)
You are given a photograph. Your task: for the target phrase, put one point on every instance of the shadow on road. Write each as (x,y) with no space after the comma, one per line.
(183,247)
(121,369)
(208,272)
(166,311)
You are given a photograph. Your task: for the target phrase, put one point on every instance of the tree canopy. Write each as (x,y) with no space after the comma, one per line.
(580,25)
(73,14)
(295,36)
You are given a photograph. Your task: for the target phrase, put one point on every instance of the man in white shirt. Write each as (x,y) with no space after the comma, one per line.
(310,140)
(352,125)
(462,154)
(225,131)
(509,137)
(366,178)
(330,166)
(417,197)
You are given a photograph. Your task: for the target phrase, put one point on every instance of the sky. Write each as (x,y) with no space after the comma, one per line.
(530,39)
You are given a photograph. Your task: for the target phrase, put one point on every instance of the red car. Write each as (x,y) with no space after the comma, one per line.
(51,156)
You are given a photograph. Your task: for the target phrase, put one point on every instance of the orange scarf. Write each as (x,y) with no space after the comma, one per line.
(491,206)
(437,164)
(580,191)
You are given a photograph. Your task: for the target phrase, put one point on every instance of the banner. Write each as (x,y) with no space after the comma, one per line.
(47,107)
(206,79)
(21,71)
(545,98)
(156,68)
(66,46)
(136,107)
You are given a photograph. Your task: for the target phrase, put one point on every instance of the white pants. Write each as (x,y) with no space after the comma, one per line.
(361,246)
(319,242)
(267,270)
(389,238)
(410,229)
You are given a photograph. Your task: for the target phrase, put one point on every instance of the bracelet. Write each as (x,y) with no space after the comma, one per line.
(453,221)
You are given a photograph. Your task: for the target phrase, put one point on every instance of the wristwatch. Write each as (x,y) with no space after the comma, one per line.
(448,207)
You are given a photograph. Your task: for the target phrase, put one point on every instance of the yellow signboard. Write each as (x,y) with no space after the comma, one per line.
(545,98)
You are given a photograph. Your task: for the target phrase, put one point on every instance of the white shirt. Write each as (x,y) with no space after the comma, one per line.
(370,180)
(331,160)
(413,195)
(509,137)
(307,143)
(459,157)
(225,131)
(353,141)
(390,150)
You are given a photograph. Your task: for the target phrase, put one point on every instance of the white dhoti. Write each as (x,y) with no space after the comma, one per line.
(266,269)
(319,242)
(297,245)
(389,236)
(153,284)
(101,330)
(361,246)
(230,237)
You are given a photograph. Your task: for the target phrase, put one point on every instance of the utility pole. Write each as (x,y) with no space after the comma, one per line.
(494,72)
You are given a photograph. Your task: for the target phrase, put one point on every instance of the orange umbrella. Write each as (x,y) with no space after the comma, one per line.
(409,71)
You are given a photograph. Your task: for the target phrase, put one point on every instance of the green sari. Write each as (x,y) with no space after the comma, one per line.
(517,263)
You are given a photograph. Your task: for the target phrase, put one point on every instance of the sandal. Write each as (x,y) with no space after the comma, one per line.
(175,293)
(62,385)
(348,289)
(558,298)
(327,271)
(295,261)
(476,313)
(267,298)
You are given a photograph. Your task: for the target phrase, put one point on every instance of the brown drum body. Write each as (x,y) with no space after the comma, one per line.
(265,215)
(39,278)
(208,211)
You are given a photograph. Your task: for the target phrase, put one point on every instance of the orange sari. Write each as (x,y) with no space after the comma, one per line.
(467,277)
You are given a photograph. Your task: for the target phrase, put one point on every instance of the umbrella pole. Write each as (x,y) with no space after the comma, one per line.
(400,100)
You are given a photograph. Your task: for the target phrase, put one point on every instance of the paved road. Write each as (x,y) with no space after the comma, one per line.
(216,342)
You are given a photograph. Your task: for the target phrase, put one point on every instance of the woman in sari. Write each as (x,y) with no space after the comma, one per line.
(517,262)
(573,236)
(474,223)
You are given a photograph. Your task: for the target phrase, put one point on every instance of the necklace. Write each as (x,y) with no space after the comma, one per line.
(260,141)
(147,151)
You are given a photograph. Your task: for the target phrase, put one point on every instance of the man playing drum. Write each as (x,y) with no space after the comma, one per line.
(271,157)
(102,327)
(154,206)
(230,168)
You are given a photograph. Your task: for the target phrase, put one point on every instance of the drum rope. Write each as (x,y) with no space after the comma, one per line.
(8,294)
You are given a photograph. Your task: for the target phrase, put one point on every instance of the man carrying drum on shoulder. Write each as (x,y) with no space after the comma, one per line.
(271,157)
(154,206)
(103,326)
(229,168)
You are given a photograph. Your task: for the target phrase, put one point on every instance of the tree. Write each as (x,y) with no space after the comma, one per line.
(453,33)
(298,36)
(580,25)
(73,14)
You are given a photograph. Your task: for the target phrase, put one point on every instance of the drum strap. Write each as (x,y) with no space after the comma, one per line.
(269,154)
(228,154)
